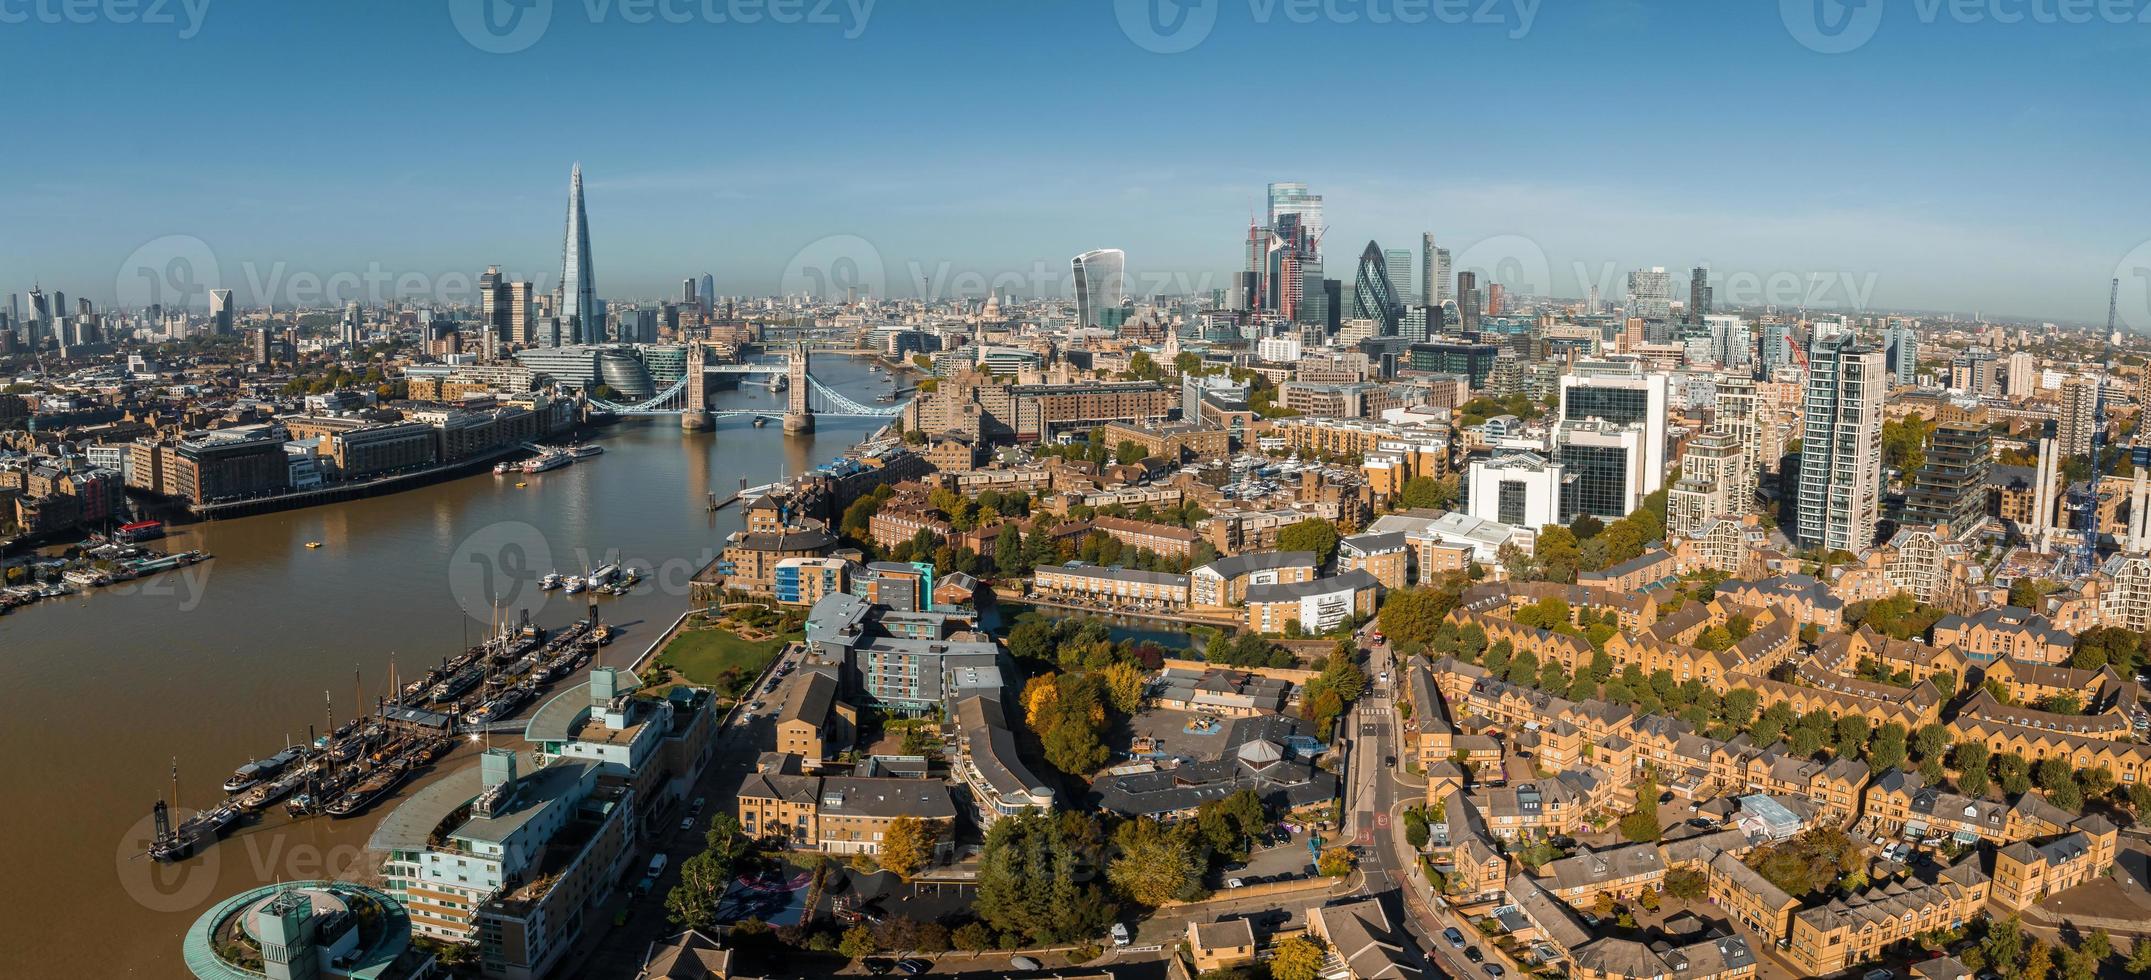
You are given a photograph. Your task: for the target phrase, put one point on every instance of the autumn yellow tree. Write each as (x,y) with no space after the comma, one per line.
(1297,958)
(1041,694)
(908,845)
(1124,685)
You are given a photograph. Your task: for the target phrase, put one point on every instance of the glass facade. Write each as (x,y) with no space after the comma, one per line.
(1620,406)
(1511,505)
(1374,297)
(1598,484)
(1098,284)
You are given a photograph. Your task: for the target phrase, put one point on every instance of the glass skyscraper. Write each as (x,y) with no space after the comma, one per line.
(1374,296)
(1098,284)
(578,288)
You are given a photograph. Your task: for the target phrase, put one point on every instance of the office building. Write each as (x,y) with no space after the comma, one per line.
(220,311)
(578,303)
(1290,198)
(1699,295)
(1729,345)
(1840,487)
(1650,293)
(1374,294)
(1467,301)
(708,294)
(1099,285)
(1399,263)
(1433,271)
(1776,345)
(1951,488)
(1519,489)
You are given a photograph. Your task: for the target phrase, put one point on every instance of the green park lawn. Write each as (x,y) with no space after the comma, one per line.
(720,660)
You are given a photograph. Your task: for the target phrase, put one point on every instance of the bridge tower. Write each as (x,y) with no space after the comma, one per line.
(799,418)
(694,408)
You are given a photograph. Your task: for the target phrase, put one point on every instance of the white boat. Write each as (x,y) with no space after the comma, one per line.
(571,585)
(603,574)
(778,382)
(500,468)
(585,450)
(548,461)
(550,582)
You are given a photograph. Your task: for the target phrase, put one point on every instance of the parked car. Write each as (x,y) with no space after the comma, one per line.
(1025,963)
(687,823)
(1492,969)
(1120,934)
(913,967)
(878,966)
(1455,937)
(1235,883)
(1699,822)
(696,807)
(1473,954)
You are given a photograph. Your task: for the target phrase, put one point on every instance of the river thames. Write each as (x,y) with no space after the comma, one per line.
(219,663)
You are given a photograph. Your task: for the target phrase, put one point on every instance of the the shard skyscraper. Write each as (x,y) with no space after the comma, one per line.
(578,288)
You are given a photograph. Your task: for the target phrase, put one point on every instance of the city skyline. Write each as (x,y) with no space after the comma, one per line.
(1747,187)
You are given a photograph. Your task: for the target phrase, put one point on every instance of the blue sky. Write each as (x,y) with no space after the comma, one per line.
(1943,165)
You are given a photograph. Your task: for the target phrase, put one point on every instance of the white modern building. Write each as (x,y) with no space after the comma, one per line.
(1518,489)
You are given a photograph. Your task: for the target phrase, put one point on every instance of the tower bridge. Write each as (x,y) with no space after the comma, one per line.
(809,397)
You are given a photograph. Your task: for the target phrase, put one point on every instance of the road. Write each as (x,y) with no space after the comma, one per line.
(611,952)
(1376,795)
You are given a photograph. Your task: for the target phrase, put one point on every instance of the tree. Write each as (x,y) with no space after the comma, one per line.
(2038,961)
(858,942)
(1155,864)
(1036,879)
(1930,741)
(1312,534)
(704,877)
(1642,824)
(908,845)
(1297,958)
(2140,958)
(1336,862)
(2029,592)
(972,937)
(1008,551)
(1124,686)
(1427,492)
(2015,773)
(1686,883)
(1128,453)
